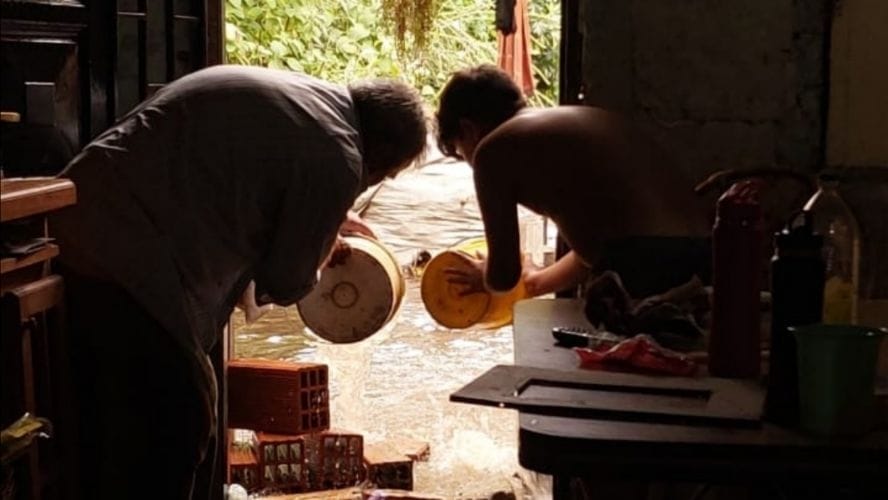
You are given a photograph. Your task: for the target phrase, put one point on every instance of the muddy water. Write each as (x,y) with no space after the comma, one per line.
(397,382)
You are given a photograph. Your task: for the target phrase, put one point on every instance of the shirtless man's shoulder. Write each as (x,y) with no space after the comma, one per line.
(576,162)
(560,120)
(568,134)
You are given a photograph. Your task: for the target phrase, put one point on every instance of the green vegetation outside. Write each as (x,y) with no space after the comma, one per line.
(344,40)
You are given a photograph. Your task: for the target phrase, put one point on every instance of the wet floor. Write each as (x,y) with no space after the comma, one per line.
(397,382)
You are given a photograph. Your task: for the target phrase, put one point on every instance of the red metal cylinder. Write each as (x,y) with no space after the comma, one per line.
(737,253)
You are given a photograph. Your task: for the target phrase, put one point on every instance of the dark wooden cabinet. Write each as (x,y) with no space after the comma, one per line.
(70,68)
(34,349)
(43,50)
(155,43)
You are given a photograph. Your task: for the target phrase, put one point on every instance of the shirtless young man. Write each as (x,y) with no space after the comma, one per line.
(617,200)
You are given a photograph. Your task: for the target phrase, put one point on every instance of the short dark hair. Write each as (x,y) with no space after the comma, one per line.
(392,121)
(484,95)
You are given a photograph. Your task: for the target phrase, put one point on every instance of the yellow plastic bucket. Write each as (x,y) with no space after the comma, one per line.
(443,301)
(355,299)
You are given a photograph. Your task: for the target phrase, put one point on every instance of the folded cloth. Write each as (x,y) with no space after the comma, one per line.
(23,247)
(668,317)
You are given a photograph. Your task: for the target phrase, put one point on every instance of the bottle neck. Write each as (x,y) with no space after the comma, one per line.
(830,186)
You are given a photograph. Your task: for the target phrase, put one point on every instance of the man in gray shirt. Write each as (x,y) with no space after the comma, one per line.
(227,175)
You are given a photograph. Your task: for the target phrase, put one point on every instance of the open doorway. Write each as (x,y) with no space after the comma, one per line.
(344,40)
(396,383)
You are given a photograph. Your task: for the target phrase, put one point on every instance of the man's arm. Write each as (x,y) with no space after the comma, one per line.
(568,271)
(355,224)
(499,211)
(313,208)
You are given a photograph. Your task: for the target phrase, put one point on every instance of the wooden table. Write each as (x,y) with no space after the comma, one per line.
(33,341)
(607,449)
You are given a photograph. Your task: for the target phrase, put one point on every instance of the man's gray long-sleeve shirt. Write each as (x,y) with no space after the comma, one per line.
(228,174)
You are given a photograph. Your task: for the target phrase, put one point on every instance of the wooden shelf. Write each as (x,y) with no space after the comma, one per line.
(9,264)
(24,196)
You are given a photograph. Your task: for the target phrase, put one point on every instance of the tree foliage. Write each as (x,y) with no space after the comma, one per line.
(344,40)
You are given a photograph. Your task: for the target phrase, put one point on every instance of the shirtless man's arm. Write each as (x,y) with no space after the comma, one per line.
(495,188)
(567,272)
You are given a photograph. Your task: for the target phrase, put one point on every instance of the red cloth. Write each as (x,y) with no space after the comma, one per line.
(640,353)
(514,50)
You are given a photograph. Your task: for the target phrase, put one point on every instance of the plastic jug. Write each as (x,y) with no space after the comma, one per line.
(841,249)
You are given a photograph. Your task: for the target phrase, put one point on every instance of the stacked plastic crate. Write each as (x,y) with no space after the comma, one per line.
(388,467)
(335,460)
(243,464)
(282,461)
(278,396)
(287,406)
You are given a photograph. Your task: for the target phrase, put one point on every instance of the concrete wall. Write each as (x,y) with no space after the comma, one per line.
(738,84)
(858,107)
(858,135)
(723,84)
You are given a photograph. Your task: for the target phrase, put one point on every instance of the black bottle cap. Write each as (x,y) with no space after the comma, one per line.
(829,175)
(800,236)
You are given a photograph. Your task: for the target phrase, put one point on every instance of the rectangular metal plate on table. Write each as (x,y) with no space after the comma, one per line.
(601,395)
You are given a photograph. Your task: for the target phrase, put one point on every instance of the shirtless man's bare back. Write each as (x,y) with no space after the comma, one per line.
(585,168)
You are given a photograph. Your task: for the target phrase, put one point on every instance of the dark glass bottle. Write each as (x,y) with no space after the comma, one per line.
(737,264)
(797,280)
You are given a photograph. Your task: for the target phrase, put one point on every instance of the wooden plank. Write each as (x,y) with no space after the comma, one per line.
(38,296)
(10,264)
(22,197)
(618,396)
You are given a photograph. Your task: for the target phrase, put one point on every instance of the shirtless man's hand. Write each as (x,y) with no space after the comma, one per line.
(471,274)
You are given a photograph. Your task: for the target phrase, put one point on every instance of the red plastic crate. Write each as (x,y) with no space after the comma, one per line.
(388,467)
(282,462)
(278,396)
(335,460)
(243,468)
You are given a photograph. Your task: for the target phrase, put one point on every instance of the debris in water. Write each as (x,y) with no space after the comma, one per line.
(417,265)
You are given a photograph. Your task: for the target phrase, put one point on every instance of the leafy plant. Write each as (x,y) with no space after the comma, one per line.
(345,40)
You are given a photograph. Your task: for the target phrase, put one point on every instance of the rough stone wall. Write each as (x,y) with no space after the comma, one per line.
(737,84)
(722,84)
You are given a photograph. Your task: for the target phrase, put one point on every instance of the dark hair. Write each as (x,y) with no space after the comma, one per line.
(393,123)
(484,95)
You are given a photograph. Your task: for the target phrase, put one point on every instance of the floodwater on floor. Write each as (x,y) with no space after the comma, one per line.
(396,384)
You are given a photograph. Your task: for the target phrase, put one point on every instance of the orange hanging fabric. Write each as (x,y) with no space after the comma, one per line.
(514,50)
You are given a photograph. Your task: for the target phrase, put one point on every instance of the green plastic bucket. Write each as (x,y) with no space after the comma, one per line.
(837,369)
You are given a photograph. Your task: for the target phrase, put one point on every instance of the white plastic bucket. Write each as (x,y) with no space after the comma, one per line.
(355,299)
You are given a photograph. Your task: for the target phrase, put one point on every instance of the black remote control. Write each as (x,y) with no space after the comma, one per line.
(569,336)
(574,336)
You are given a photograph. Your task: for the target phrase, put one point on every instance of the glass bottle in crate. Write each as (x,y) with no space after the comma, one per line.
(841,251)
